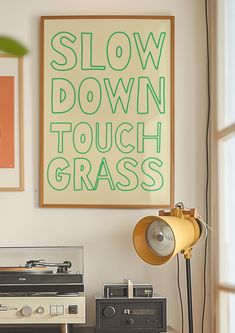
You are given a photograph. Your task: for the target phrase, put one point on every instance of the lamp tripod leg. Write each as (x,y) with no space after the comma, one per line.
(189,294)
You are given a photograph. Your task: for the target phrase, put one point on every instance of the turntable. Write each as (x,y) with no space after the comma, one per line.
(36,276)
(42,285)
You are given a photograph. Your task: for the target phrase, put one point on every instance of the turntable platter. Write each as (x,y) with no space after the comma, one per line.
(25,270)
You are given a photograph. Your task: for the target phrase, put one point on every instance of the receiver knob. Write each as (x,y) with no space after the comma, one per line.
(26,311)
(130,321)
(109,311)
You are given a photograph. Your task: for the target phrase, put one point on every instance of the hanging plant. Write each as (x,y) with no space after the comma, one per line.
(12,46)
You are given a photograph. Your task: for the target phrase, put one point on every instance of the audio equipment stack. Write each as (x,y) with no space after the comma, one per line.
(120,311)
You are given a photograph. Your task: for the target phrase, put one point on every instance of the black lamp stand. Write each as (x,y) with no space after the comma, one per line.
(189,294)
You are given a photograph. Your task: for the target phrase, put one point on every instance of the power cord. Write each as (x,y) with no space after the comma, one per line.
(207,164)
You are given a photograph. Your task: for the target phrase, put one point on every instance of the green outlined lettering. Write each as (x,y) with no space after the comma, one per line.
(60,129)
(56,177)
(118,51)
(89,95)
(63,95)
(150,168)
(145,90)
(107,145)
(141,137)
(61,43)
(82,138)
(82,169)
(122,129)
(125,168)
(87,53)
(150,50)
(104,174)
(120,94)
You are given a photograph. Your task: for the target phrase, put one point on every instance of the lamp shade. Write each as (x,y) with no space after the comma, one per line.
(157,239)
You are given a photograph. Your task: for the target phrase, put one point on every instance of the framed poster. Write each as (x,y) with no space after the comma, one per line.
(107,120)
(11,123)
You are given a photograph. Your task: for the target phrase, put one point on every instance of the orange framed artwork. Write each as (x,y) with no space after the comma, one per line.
(11,123)
(107,111)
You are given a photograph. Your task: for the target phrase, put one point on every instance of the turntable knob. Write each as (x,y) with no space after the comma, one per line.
(26,311)
(109,311)
(40,310)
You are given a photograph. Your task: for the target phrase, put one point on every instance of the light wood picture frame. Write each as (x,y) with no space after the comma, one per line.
(107,111)
(11,123)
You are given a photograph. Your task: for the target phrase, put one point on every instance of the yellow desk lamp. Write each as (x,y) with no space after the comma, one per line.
(157,239)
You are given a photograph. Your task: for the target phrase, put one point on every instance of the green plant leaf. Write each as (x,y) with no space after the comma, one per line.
(12,46)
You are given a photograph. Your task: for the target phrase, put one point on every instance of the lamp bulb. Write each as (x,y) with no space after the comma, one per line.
(160,238)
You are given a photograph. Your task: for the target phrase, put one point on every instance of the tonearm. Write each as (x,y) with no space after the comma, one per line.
(61,267)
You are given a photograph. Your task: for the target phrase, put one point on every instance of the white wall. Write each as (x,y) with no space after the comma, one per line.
(107,234)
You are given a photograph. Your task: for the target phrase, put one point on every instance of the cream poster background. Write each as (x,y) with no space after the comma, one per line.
(107,130)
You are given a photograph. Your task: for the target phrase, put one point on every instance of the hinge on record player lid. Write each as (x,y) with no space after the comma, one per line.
(61,267)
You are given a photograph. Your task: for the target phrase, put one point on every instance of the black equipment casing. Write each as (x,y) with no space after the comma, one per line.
(131,315)
(25,282)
